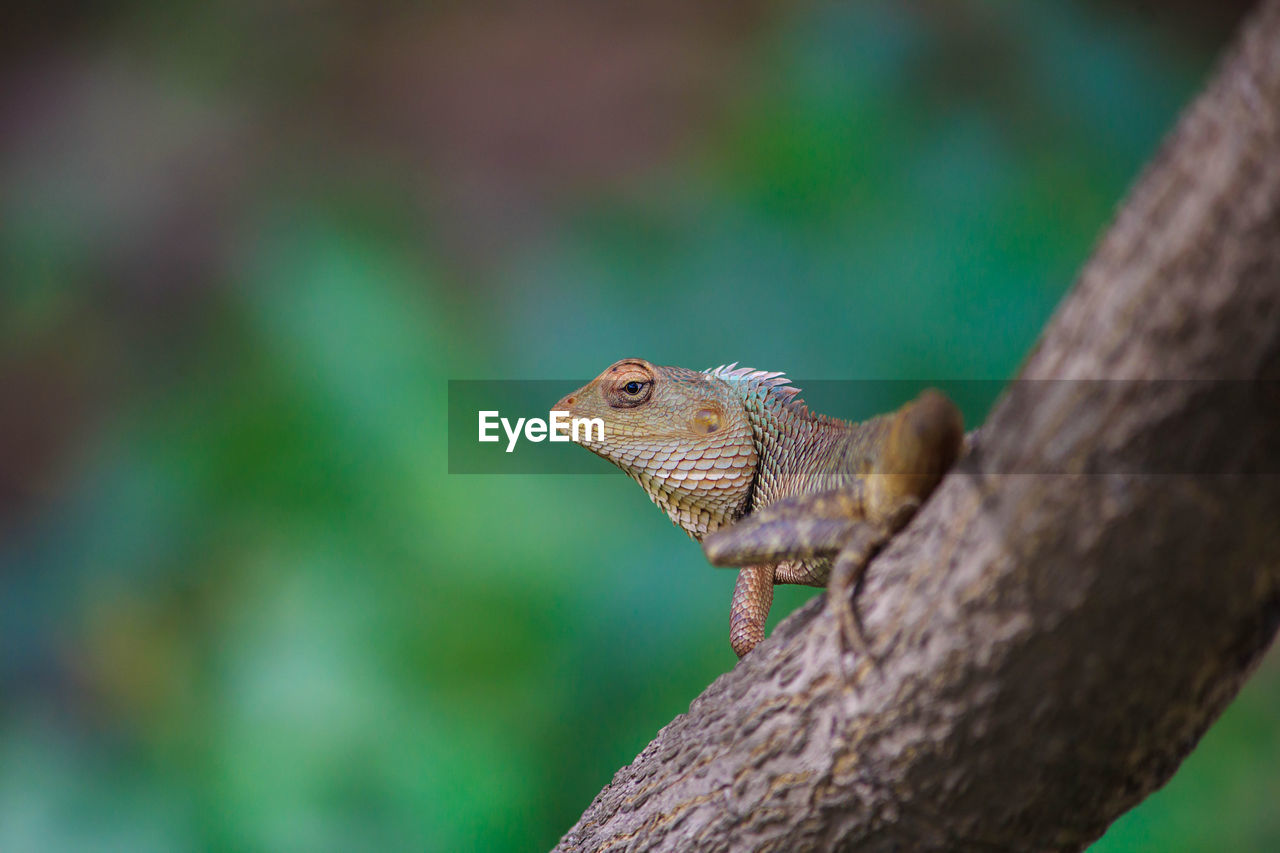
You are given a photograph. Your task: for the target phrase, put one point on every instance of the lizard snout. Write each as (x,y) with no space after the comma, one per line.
(567,402)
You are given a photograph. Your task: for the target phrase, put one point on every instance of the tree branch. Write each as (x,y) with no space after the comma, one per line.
(1080,598)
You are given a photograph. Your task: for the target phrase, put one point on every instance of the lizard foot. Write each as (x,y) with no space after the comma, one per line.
(844,585)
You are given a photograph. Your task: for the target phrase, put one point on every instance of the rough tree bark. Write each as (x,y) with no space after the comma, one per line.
(1079,600)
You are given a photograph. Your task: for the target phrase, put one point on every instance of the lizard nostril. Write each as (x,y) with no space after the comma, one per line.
(569,401)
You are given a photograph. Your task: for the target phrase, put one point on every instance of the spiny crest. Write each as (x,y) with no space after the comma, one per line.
(772,385)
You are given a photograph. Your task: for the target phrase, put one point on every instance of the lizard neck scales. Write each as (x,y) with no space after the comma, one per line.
(800,452)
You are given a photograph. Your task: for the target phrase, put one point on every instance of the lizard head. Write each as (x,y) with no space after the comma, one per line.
(683,435)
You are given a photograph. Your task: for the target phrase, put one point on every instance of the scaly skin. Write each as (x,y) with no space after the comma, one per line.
(738,461)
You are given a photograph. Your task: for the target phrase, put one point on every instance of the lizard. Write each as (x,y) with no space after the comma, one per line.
(737,460)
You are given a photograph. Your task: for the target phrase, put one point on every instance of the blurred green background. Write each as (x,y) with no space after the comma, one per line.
(244,246)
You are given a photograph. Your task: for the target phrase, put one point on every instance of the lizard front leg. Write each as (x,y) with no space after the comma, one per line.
(773,544)
(803,534)
(752,597)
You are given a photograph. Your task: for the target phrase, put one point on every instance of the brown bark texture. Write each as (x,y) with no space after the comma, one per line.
(1084,593)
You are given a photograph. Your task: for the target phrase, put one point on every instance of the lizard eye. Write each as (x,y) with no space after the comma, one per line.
(629,394)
